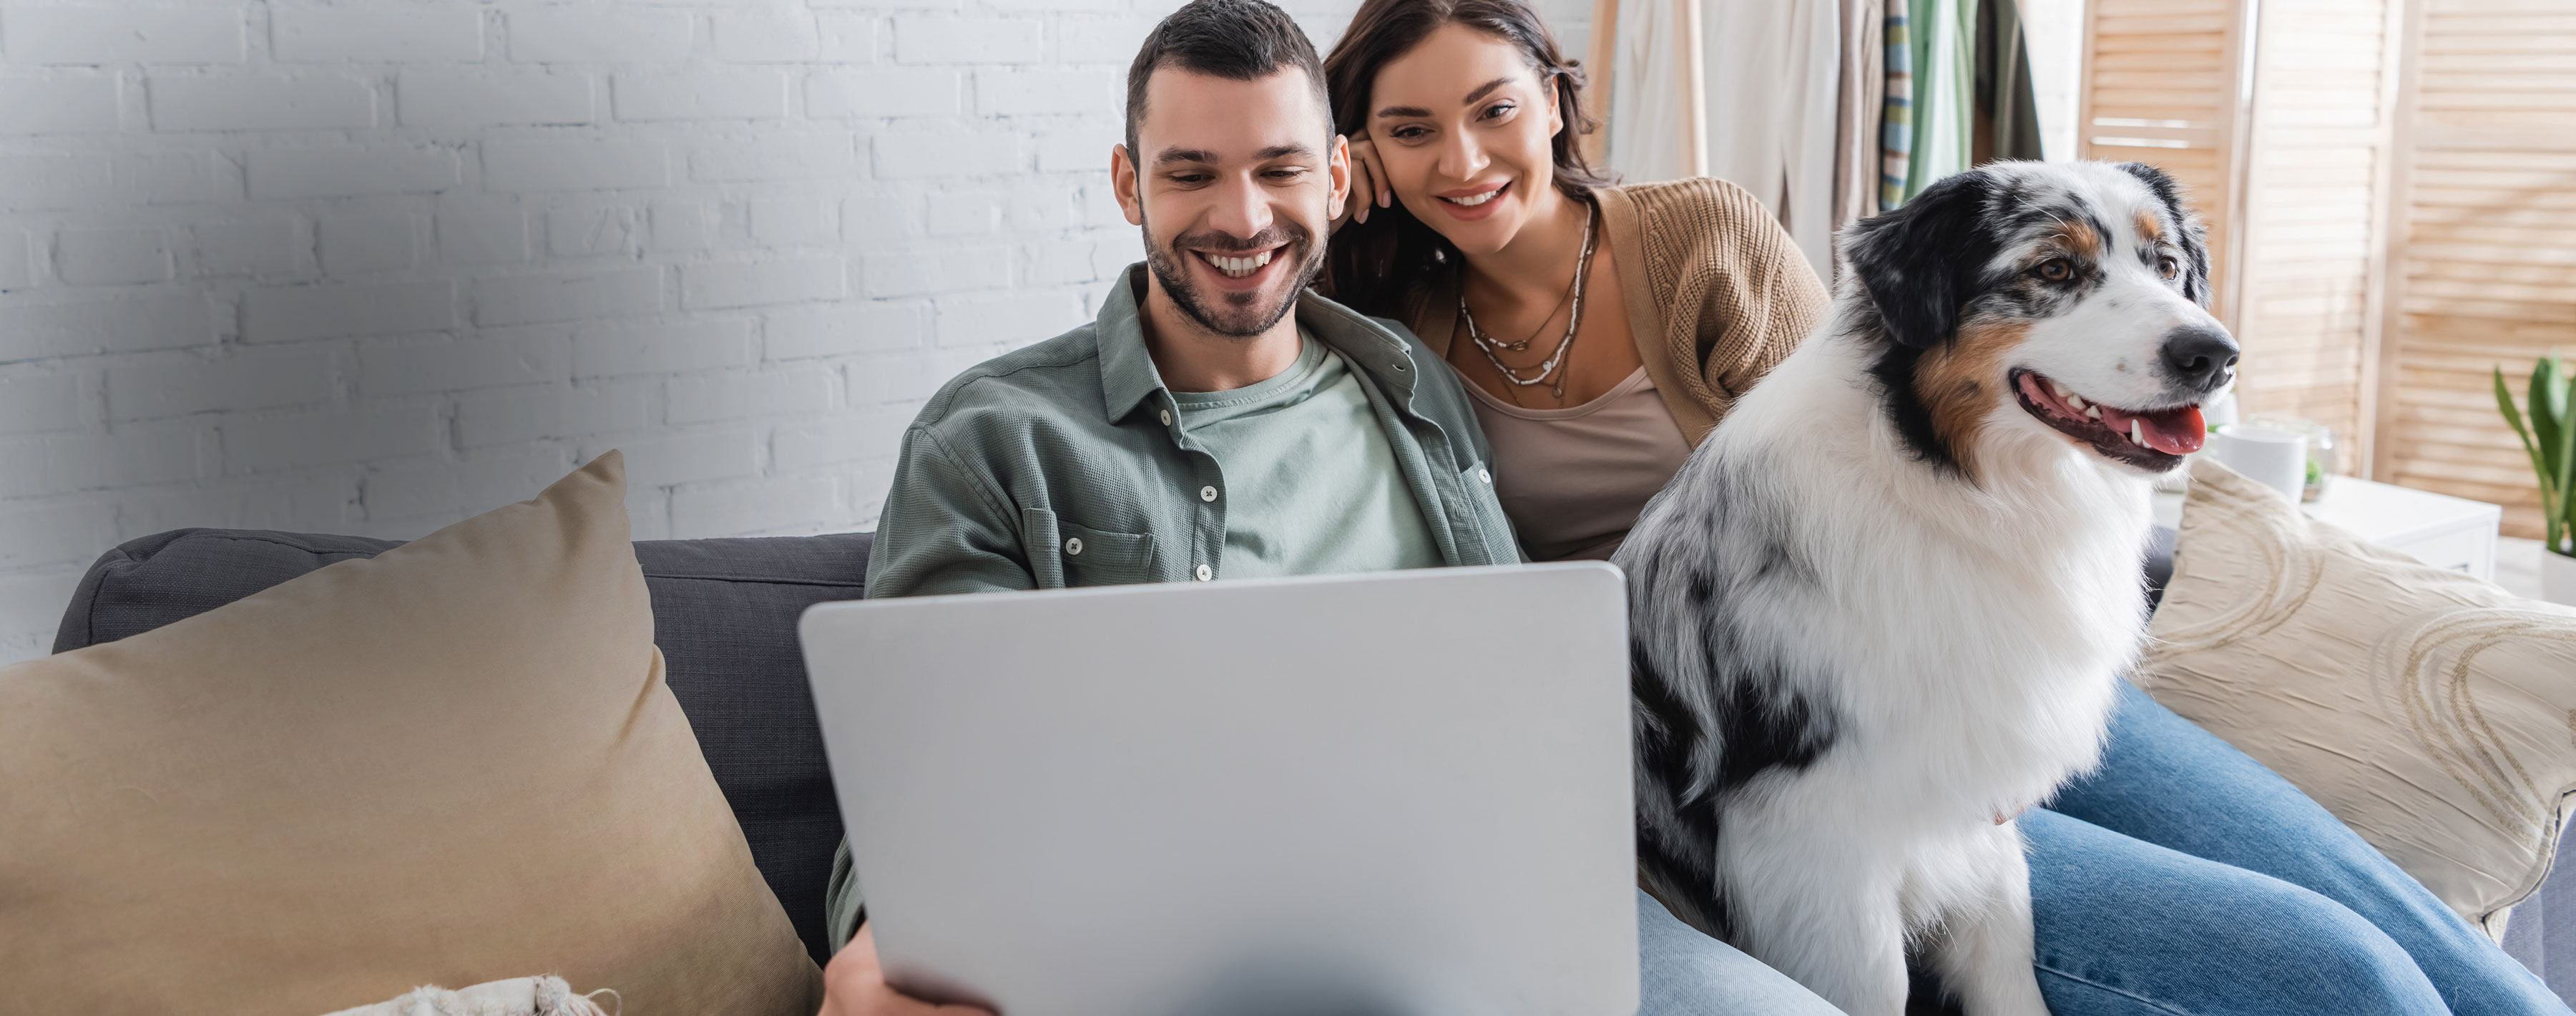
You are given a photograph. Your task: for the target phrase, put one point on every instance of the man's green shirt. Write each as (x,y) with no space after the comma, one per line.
(1067,463)
(1312,478)
(1078,438)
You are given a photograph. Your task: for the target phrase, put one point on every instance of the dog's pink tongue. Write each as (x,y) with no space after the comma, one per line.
(2171,431)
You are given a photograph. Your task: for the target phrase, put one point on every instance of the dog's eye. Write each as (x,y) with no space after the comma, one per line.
(2055,270)
(2168,266)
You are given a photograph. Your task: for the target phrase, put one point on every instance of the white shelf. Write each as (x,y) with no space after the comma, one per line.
(2437,529)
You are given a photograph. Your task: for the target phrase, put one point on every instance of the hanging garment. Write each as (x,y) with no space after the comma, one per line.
(1923,25)
(1656,93)
(1962,94)
(1944,90)
(1863,97)
(2007,109)
(1896,121)
(1774,80)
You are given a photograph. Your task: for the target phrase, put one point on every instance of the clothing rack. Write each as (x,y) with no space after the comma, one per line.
(1826,110)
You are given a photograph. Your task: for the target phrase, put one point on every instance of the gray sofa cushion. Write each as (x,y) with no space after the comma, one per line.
(2542,933)
(724,614)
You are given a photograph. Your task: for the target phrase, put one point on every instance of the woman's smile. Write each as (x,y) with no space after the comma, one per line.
(1472,203)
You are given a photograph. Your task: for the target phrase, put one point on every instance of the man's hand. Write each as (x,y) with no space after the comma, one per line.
(853,985)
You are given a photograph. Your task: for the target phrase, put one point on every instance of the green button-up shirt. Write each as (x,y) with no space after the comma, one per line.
(1077,439)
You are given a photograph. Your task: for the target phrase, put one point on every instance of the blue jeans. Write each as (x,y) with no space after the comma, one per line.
(1684,973)
(2183,877)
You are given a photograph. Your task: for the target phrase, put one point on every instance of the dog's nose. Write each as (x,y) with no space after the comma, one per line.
(2199,357)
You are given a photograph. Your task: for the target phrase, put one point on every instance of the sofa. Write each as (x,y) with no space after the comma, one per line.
(725,613)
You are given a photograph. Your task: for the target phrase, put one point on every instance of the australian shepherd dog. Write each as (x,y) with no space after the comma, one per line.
(1883,608)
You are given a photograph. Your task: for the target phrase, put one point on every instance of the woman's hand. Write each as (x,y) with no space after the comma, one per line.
(1369,185)
(853,985)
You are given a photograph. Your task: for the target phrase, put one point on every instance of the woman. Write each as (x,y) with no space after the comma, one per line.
(1656,351)
(1605,330)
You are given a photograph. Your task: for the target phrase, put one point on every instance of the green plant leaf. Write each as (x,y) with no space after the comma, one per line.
(2562,391)
(2513,418)
(2552,507)
(2547,419)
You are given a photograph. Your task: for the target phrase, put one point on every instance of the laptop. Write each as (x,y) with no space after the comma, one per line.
(1391,794)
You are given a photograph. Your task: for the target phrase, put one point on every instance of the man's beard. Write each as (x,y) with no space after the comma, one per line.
(1235,314)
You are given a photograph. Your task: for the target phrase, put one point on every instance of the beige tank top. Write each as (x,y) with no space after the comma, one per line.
(1573,480)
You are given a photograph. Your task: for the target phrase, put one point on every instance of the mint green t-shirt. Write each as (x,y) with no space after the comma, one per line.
(1313,484)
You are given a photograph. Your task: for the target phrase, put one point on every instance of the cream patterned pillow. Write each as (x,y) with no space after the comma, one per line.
(2432,712)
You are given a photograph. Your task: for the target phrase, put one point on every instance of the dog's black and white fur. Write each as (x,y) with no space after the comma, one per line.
(1882,609)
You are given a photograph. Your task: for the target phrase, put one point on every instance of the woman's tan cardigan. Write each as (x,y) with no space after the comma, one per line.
(1716,292)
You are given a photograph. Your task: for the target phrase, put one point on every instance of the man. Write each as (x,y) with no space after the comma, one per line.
(1216,420)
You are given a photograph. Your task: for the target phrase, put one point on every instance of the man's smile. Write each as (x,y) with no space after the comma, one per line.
(1238,271)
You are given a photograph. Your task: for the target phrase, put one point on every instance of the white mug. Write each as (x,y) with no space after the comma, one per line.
(2271,456)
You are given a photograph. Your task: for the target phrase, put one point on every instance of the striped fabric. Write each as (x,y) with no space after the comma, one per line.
(1896,122)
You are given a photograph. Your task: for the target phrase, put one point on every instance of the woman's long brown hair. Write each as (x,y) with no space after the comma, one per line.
(1372,265)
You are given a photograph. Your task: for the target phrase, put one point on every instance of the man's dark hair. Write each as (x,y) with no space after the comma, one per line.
(1241,40)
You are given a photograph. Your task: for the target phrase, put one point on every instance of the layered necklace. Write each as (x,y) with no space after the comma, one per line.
(1547,372)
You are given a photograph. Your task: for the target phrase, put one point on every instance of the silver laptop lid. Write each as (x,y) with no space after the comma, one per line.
(1394,794)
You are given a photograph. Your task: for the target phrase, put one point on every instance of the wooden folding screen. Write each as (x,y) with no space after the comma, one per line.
(2276,117)
(2481,265)
(2164,84)
(2316,171)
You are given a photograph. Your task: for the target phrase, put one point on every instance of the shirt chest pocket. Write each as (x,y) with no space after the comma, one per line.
(1066,553)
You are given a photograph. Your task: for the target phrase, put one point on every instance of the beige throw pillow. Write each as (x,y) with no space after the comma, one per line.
(2432,712)
(453,763)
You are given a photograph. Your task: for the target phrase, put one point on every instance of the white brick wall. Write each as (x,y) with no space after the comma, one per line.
(376,266)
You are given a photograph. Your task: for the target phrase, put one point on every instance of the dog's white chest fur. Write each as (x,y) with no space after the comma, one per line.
(1970,633)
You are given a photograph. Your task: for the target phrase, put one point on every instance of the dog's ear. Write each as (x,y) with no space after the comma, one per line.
(2194,240)
(1921,262)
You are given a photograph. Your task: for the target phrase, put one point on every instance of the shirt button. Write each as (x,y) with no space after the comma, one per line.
(1485,475)
(1207,493)
(1073,546)
(1167,418)
(1204,574)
